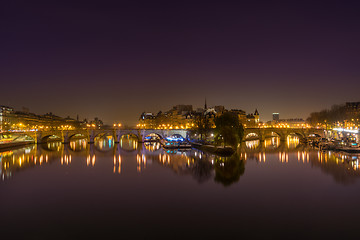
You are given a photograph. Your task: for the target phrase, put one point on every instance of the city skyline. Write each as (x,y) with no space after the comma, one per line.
(116,60)
(25,110)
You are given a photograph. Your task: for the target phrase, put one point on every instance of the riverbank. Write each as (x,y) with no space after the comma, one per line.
(12,145)
(217,150)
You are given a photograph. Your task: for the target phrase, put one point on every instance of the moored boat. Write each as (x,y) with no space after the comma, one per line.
(174,142)
(345,146)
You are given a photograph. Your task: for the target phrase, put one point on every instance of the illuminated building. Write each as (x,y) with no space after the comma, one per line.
(175,118)
(288,123)
(179,117)
(276,117)
(184,117)
(210,115)
(5,117)
(353,107)
(148,120)
(253,120)
(257,116)
(96,123)
(24,120)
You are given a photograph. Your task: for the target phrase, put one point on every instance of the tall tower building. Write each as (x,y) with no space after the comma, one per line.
(257,116)
(276,117)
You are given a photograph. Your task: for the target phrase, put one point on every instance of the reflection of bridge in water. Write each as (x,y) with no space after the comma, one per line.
(272,145)
(344,168)
(282,133)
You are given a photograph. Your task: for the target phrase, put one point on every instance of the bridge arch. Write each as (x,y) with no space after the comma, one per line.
(252,144)
(252,136)
(154,134)
(167,132)
(128,142)
(293,143)
(103,134)
(152,146)
(105,144)
(51,138)
(300,135)
(315,134)
(78,145)
(51,146)
(274,133)
(77,136)
(177,135)
(273,142)
(129,135)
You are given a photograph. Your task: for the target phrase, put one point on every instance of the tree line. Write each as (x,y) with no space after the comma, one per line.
(228,129)
(337,113)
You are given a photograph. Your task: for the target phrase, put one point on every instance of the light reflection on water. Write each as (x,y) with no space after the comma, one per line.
(181,161)
(272,142)
(252,144)
(152,146)
(78,145)
(128,143)
(104,143)
(292,142)
(115,182)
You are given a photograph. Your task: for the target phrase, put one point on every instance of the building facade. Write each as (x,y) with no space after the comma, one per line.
(184,117)
(25,120)
(275,117)
(5,117)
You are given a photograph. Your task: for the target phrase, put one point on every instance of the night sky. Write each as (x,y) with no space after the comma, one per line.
(116,59)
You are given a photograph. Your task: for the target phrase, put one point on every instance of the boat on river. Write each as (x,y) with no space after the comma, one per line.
(349,147)
(340,145)
(174,142)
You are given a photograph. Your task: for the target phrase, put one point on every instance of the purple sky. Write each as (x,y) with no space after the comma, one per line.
(116,59)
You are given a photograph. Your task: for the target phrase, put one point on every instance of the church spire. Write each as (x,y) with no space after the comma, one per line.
(205,104)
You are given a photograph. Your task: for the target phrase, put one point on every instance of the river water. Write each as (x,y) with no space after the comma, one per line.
(267,190)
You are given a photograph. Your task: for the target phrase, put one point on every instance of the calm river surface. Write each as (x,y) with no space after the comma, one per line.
(105,190)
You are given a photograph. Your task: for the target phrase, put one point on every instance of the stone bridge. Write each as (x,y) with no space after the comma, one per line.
(90,134)
(282,133)
(66,135)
